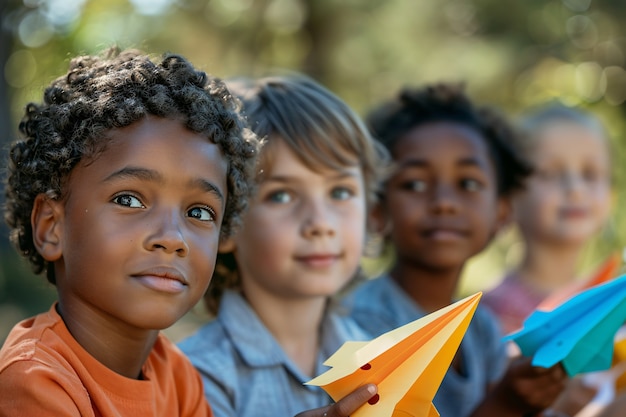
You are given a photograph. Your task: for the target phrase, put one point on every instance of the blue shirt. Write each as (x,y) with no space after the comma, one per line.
(380,305)
(245,371)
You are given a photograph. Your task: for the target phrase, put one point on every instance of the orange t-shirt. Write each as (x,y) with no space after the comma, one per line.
(45,372)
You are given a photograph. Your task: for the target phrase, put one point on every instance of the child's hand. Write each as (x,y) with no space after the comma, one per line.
(615,408)
(575,397)
(529,389)
(346,406)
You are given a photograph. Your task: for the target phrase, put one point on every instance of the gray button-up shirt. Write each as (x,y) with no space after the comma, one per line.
(245,371)
(380,305)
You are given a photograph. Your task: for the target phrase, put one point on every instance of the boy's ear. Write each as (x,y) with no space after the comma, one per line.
(504,214)
(46,220)
(379,221)
(227,245)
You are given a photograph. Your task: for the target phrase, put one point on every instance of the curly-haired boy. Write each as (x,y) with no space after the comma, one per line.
(127,176)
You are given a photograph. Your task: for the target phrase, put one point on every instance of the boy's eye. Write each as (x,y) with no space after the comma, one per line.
(281,197)
(589,175)
(341,193)
(593,174)
(418,186)
(128,201)
(204,214)
(471,185)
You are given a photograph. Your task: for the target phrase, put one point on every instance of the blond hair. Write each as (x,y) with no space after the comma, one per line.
(317,126)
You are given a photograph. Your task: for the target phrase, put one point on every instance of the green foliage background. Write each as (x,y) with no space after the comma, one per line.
(512,54)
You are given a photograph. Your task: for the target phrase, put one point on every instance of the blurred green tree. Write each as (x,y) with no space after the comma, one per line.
(513,54)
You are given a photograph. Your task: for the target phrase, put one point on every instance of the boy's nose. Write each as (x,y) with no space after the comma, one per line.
(573,183)
(318,221)
(443,199)
(168,235)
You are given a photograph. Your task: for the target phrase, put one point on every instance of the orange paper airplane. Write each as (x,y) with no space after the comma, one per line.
(607,271)
(407,364)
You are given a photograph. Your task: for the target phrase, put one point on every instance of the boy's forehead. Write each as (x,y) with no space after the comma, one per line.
(444,146)
(282,157)
(440,137)
(149,138)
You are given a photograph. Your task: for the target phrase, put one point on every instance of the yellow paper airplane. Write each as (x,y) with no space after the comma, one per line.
(619,357)
(407,364)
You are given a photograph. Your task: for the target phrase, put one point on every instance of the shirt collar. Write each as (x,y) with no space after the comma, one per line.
(258,347)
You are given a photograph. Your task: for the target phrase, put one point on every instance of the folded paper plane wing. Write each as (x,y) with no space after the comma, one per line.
(579,333)
(407,364)
(607,270)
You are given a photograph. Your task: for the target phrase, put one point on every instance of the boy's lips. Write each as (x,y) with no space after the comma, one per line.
(574,212)
(318,260)
(163,279)
(444,233)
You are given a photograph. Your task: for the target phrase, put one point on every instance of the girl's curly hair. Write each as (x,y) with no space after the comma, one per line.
(113,90)
(443,102)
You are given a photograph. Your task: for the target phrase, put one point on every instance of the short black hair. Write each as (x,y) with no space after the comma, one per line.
(448,102)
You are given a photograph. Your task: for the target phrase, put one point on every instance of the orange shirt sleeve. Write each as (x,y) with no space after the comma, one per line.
(30,388)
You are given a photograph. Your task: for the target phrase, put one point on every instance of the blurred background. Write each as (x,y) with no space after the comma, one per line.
(512,54)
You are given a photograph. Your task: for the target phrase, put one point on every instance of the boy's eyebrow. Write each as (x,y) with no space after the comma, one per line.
(137,173)
(346,174)
(471,161)
(285,178)
(421,163)
(208,187)
(154,176)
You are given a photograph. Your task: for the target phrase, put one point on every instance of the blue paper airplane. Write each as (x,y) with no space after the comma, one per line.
(578,333)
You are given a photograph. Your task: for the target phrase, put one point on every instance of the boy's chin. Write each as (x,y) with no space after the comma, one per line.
(158,320)
(443,261)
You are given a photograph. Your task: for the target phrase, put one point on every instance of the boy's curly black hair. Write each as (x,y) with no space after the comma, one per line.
(447,102)
(113,90)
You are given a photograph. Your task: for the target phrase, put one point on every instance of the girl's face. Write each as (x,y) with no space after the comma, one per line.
(568,198)
(441,203)
(303,233)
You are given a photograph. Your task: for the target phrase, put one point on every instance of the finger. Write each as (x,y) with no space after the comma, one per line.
(555,372)
(554,375)
(317,412)
(346,406)
(350,403)
(558,372)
